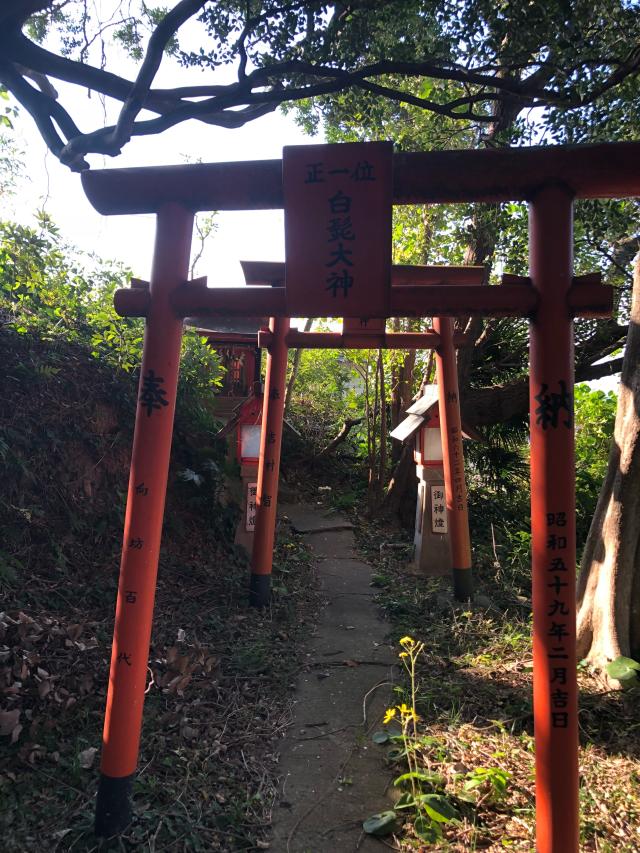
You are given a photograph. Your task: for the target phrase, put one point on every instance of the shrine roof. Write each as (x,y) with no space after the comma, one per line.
(221,326)
(424,403)
(407,428)
(418,415)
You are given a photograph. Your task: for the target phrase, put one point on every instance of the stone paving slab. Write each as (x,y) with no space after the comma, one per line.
(306,518)
(337,544)
(333,775)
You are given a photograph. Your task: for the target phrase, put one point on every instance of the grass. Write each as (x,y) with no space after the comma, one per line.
(474,698)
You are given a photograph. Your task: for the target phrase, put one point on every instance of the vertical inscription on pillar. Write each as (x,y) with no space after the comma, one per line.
(152,394)
(555,408)
(559,628)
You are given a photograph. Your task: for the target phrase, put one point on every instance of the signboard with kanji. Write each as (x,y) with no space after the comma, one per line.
(438,510)
(252,491)
(337,207)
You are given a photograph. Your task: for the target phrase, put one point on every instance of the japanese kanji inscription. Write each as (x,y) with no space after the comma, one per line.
(338,229)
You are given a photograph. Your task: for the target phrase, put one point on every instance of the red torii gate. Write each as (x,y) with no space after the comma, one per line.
(362,334)
(549,179)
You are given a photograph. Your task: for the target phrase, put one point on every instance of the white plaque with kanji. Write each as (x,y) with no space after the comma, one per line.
(252,492)
(438,510)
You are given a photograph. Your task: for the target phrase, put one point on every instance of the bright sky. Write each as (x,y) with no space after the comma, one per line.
(251,235)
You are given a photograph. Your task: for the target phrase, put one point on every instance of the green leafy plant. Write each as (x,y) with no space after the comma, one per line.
(492,780)
(431,809)
(625,670)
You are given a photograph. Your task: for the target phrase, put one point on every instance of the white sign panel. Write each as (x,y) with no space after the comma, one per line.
(252,491)
(438,510)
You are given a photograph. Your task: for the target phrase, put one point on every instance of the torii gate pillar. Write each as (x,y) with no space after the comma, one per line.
(143,522)
(269,464)
(453,459)
(553,536)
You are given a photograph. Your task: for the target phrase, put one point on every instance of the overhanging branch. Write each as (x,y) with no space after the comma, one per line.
(495,86)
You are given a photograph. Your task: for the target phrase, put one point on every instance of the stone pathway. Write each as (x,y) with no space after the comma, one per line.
(333,775)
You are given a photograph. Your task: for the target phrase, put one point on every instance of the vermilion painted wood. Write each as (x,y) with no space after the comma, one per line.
(464,299)
(587,296)
(453,458)
(269,462)
(337,229)
(273,272)
(230,301)
(553,524)
(405,301)
(549,176)
(338,340)
(143,520)
(607,170)
(404,274)
(132,302)
(363,327)
(146,497)
(505,300)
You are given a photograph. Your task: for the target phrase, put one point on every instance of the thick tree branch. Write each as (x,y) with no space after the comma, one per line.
(503,403)
(502,88)
(347,426)
(160,37)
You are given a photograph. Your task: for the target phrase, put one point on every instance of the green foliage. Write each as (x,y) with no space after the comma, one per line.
(492,780)
(50,290)
(45,290)
(69,363)
(326,392)
(595,414)
(625,670)
(383,823)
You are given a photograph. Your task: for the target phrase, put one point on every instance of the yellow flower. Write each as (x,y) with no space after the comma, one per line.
(389,715)
(407,641)
(403,655)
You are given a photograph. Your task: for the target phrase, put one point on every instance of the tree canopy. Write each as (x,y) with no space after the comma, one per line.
(476,61)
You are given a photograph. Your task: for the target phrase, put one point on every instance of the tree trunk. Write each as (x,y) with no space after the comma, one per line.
(347,426)
(400,498)
(295,367)
(609,582)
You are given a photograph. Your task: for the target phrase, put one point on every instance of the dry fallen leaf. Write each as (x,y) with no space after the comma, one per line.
(8,721)
(87,757)
(44,688)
